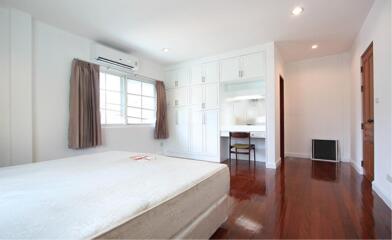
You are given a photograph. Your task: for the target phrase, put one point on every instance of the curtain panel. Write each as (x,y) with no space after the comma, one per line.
(161,130)
(84,115)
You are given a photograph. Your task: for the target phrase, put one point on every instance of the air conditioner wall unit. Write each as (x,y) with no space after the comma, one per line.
(109,57)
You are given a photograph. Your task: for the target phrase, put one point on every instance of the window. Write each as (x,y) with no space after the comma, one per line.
(125,100)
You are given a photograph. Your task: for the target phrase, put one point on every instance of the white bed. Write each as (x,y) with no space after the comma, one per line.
(109,195)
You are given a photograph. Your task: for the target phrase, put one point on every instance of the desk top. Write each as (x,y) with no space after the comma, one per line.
(243,128)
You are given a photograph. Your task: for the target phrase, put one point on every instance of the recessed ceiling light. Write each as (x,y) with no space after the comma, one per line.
(298,11)
(165,50)
(315,46)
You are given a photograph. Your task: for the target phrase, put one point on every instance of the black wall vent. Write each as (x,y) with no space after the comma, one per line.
(325,150)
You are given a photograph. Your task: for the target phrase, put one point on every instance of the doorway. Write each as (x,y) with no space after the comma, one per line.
(367,89)
(281,97)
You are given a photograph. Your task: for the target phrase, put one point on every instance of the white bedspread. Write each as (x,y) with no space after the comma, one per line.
(84,196)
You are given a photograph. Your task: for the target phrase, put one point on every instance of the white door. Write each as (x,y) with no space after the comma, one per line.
(182,78)
(179,97)
(170,97)
(171,119)
(211,72)
(211,96)
(196,129)
(170,79)
(197,95)
(230,69)
(196,74)
(182,127)
(253,66)
(211,133)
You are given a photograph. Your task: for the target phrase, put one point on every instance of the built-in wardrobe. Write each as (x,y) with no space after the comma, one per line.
(195,104)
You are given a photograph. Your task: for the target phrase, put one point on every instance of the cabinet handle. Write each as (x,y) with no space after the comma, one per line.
(176,102)
(176,117)
(203,79)
(239,73)
(203,105)
(176,83)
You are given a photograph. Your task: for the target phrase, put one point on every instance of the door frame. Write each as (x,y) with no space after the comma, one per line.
(368,175)
(281,109)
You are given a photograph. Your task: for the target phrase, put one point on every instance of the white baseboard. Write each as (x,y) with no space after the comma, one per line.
(382,195)
(297,155)
(358,168)
(389,178)
(274,165)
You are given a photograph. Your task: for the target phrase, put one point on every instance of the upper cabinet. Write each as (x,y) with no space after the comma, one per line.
(177,78)
(205,73)
(230,69)
(253,66)
(246,67)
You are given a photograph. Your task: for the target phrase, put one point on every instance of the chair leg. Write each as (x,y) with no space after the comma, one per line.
(249,154)
(254,155)
(230,157)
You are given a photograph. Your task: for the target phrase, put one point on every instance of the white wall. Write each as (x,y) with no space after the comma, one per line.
(317,104)
(54,50)
(272,101)
(37,97)
(376,28)
(16,84)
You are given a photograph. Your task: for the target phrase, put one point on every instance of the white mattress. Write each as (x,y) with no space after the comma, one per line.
(87,196)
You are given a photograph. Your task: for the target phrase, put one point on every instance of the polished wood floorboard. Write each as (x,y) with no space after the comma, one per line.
(303,199)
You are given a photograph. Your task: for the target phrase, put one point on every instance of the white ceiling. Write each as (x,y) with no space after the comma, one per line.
(199,28)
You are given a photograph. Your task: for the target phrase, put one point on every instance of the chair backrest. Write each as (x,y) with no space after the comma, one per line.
(239,135)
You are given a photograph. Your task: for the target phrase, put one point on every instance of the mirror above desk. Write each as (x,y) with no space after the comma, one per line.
(243,109)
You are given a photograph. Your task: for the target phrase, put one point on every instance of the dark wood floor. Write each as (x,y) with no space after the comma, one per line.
(303,199)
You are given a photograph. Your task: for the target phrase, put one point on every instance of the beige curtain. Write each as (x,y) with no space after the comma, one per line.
(161,130)
(84,116)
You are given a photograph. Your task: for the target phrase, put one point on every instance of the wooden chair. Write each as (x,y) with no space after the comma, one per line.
(240,148)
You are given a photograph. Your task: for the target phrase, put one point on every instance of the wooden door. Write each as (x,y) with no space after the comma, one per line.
(281,90)
(368,113)
(253,66)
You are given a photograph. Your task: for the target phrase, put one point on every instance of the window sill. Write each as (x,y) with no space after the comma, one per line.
(109,126)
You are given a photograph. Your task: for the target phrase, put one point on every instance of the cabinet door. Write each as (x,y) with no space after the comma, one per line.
(197,95)
(211,95)
(170,79)
(253,66)
(196,74)
(182,78)
(211,132)
(170,97)
(179,97)
(230,69)
(211,72)
(171,120)
(182,129)
(196,128)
